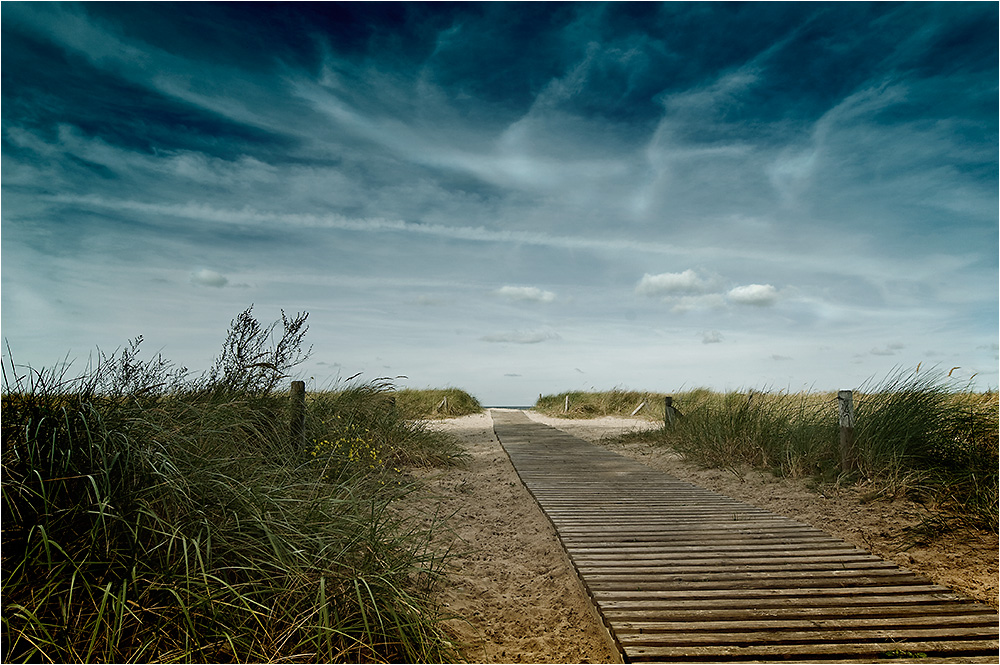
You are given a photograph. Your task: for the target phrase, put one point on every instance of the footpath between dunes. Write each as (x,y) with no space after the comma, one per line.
(520,597)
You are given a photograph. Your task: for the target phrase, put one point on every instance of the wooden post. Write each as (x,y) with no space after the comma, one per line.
(566,405)
(668,411)
(298,408)
(845,405)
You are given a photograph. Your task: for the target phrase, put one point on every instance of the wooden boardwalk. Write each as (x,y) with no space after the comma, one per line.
(682,574)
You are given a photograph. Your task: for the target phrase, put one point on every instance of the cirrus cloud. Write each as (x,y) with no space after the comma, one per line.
(520,337)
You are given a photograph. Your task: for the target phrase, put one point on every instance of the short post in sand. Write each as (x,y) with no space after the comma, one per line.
(668,411)
(298,413)
(845,405)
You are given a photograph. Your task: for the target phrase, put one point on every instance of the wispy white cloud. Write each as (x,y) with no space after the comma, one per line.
(891,349)
(525,294)
(707,301)
(521,337)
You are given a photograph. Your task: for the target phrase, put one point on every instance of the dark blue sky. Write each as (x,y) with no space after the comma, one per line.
(514,198)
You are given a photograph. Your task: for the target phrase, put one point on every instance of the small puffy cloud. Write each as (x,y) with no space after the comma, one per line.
(525,293)
(520,337)
(671,284)
(757,295)
(711,337)
(206,277)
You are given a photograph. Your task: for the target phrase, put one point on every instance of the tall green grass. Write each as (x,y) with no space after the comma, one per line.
(150,517)
(918,433)
(615,402)
(436,403)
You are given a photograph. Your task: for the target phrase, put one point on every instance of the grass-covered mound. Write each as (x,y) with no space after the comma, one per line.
(431,403)
(151,517)
(578,404)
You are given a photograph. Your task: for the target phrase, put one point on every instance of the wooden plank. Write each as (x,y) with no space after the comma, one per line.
(779,635)
(653,627)
(928,592)
(711,570)
(864,651)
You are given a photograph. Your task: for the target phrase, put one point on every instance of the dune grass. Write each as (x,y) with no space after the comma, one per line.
(916,433)
(436,403)
(149,517)
(615,402)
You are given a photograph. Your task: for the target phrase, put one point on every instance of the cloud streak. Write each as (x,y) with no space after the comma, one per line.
(521,337)
(525,294)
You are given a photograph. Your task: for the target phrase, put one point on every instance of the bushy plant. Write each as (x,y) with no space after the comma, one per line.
(252,362)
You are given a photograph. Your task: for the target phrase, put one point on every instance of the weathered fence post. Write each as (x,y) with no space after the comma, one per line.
(845,405)
(298,408)
(566,405)
(668,411)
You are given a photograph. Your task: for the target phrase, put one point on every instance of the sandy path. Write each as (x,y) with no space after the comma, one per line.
(521,599)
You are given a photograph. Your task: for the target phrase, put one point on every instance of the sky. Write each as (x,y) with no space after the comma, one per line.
(512,199)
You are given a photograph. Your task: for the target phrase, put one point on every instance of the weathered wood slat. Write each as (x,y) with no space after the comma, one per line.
(865,651)
(779,635)
(679,573)
(796,623)
(932,592)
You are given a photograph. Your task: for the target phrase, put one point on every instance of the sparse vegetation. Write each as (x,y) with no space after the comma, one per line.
(915,433)
(149,516)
